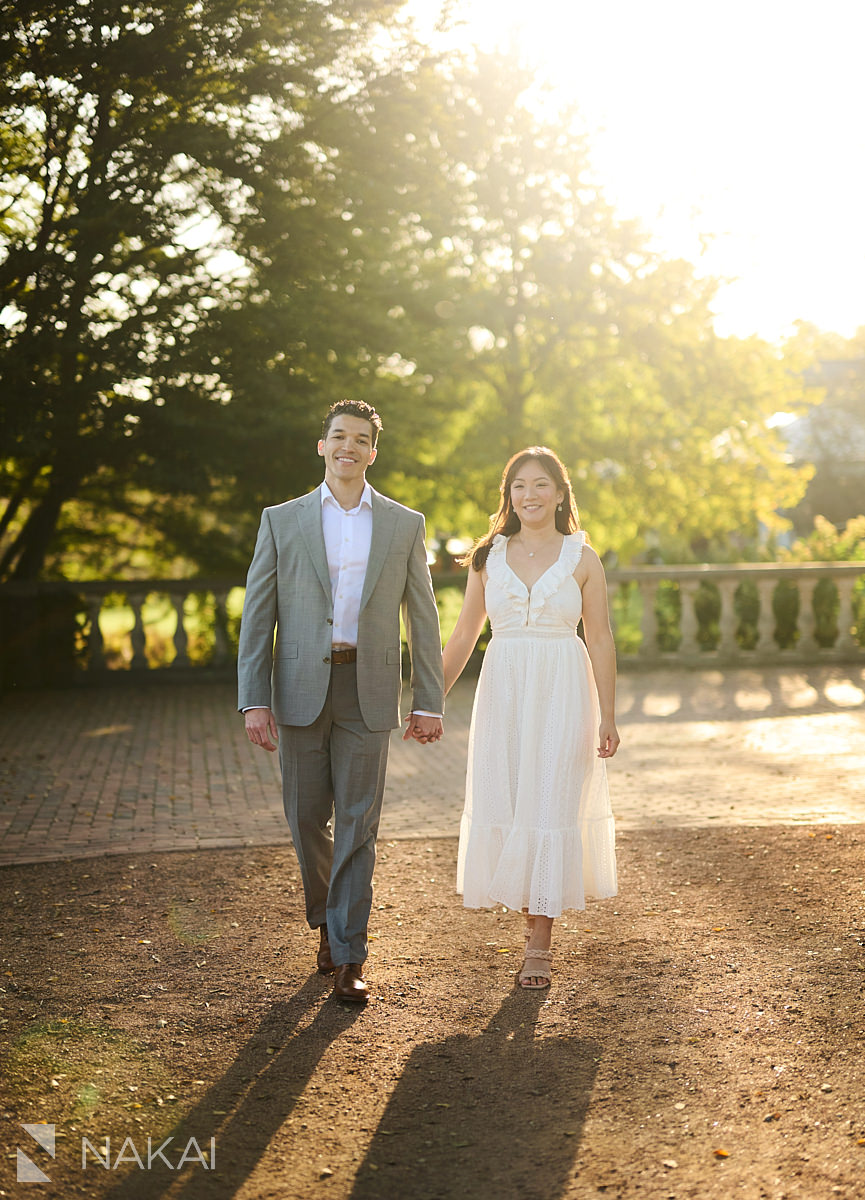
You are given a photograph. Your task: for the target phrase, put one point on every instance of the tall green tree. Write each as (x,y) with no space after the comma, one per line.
(195,206)
(577,334)
(218,217)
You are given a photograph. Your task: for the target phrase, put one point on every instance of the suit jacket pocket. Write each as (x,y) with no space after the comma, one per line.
(286,650)
(393,657)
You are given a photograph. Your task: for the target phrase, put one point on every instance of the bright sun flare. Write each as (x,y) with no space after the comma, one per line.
(734,131)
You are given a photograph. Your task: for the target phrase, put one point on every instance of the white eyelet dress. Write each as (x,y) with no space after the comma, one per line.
(537,829)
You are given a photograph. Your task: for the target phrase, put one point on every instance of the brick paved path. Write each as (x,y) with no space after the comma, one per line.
(149,767)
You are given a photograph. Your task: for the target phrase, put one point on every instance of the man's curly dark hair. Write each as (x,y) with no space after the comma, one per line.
(353,408)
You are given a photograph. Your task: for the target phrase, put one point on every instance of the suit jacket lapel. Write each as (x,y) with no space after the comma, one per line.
(383,526)
(309,520)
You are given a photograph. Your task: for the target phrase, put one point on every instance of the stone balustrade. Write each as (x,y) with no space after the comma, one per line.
(75,632)
(681,615)
(735,614)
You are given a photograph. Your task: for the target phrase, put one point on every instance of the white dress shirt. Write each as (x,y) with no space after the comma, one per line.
(347,537)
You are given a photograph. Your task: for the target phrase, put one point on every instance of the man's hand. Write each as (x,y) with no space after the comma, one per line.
(423,729)
(261,728)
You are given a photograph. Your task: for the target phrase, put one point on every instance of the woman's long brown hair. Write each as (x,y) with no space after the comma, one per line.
(506,520)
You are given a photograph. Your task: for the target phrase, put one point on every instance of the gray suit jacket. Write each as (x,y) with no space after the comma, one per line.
(288,588)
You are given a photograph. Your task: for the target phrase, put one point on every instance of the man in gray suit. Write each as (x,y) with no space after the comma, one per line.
(331,572)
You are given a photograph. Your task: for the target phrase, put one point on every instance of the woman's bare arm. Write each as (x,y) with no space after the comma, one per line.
(601,647)
(467,630)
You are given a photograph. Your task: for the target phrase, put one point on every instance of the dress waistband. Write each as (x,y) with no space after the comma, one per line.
(532,631)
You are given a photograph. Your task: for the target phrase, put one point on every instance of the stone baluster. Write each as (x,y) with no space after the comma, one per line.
(807,618)
(649,619)
(95,640)
(220,629)
(181,641)
(137,637)
(846,642)
(688,623)
(728,647)
(766,643)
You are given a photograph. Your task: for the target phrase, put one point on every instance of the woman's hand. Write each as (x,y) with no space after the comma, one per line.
(608,739)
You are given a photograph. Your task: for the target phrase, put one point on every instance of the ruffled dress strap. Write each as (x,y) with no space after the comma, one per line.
(499,571)
(550,582)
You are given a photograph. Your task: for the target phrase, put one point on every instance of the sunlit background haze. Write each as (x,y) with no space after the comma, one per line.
(735,132)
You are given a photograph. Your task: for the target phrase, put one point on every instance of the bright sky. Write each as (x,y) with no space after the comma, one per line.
(740,122)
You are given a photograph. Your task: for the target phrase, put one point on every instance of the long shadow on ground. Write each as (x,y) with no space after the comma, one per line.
(257,1093)
(497,1114)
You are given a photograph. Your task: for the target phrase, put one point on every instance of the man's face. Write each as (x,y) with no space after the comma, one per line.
(347,450)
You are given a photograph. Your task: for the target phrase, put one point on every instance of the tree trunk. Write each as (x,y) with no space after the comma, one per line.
(25,558)
(17,498)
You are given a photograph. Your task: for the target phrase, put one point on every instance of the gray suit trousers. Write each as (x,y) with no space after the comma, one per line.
(333,774)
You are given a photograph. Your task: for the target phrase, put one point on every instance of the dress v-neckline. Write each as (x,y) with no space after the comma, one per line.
(528,589)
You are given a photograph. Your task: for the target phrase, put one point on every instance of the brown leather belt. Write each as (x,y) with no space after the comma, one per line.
(339,657)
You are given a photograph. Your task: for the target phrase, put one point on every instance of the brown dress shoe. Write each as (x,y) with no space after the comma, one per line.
(349,985)
(325,962)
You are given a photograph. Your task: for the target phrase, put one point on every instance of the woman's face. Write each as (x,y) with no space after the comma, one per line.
(534,495)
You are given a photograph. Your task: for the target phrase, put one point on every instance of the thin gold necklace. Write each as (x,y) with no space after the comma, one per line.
(531,553)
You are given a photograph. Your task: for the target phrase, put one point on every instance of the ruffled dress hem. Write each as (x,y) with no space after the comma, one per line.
(527,868)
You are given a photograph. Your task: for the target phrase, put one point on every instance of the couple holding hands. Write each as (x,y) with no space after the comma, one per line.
(331,573)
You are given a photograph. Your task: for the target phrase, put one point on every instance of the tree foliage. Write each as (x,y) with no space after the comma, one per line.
(827,543)
(576,334)
(193,195)
(216,218)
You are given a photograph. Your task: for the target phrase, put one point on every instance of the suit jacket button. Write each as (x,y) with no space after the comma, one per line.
(330,620)
(326,660)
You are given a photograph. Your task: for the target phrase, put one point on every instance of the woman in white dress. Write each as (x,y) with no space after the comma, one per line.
(537,831)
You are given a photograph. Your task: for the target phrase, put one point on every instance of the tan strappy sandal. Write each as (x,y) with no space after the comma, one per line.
(536,965)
